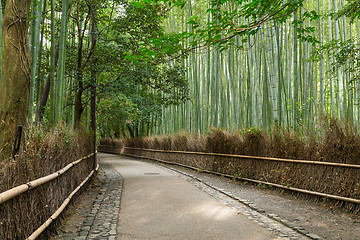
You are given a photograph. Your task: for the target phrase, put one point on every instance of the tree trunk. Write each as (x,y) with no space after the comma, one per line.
(131,132)
(1,42)
(78,101)
(14,93)
(46,93)
(94,34)
(79,109)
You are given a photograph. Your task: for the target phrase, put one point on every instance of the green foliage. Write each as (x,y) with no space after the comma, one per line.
(222,27)
(115,112)
(342,53)
(305,34)
(137,89)
(350,10)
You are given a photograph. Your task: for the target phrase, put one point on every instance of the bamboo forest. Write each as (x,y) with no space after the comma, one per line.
(159,67)
(179,119)
(284,72)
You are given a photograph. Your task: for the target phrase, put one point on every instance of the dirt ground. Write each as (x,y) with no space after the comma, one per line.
(317,218)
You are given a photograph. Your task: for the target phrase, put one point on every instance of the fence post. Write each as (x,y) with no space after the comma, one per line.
(17,140)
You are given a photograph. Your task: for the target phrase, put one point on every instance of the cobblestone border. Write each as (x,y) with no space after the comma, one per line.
(280,227)
(102,221)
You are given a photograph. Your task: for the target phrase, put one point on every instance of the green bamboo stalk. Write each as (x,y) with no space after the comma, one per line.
(52,65)
(234,90)
(273,72)
(249,90)
(266,105)
(35,35)
(226,92)
(62,56)
(240,79)
(295,78)
(357,83)
(39,83)
(332,86)
(322,63)
(347,89)
(287,70)
(339,95)
(255,79)
(278,71)
(312,89)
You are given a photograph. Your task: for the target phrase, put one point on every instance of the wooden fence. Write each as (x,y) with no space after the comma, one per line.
(324,180)
(35,191)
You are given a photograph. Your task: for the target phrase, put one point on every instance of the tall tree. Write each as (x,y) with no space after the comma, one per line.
(14,93)
(1,42)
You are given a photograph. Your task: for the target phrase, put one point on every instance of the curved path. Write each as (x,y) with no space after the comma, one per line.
(158,204)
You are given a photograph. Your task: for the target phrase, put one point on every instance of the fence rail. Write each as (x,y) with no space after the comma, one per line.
(16,191)
(9,194)
(252,157)
(42,228)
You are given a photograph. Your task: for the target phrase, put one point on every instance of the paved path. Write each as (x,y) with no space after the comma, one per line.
(158,204)
(102,220)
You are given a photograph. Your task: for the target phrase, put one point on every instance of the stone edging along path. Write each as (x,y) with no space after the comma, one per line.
(102,221)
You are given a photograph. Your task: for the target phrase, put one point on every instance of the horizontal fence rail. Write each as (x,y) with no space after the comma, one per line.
(9,194)
(43,227)
(252,157)
(329,166)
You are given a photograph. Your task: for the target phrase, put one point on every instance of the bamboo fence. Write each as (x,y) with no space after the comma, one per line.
(16,191)
(351,167)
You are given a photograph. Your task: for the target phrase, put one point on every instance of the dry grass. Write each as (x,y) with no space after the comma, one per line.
(331,142)
(43,153)
(110,145)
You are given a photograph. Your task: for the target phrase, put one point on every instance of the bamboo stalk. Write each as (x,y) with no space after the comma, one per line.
(9,194)
(252,157)
(52,66)
(62,57)
(35,35)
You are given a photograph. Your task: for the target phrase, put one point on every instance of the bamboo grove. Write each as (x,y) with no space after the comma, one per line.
(73,47)
(287,73)
(288,68)
(49,39)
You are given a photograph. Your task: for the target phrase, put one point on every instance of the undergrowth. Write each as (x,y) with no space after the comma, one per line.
(331,141)
(43,152)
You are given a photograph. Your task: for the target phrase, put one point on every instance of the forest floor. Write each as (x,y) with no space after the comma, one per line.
(317,218)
